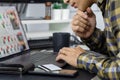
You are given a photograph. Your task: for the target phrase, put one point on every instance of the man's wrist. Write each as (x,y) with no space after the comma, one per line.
(89,38)
(79,59)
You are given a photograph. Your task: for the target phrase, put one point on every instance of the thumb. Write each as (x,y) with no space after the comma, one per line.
(60,57)
(89,12)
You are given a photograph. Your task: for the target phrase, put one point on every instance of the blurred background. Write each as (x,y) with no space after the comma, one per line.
(41,18)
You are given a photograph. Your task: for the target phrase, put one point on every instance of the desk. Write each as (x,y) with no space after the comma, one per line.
(83,75)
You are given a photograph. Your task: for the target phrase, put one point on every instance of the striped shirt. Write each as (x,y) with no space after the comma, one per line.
(104,57)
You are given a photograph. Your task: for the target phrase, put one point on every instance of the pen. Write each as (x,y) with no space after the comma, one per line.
(43,68)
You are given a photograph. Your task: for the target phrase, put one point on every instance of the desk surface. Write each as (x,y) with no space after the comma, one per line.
(83,75)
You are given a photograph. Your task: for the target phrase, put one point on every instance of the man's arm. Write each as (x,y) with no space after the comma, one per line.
(97,42)
(105,67)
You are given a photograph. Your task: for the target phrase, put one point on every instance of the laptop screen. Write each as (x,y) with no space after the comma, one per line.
(12,37)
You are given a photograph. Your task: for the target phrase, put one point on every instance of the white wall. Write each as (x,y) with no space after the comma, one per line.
(37,11)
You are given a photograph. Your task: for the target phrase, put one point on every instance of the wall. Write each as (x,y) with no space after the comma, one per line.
(38,11)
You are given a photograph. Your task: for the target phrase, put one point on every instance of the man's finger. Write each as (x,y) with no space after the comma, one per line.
(83,15)
(90,12)
(60,57)
(66,51)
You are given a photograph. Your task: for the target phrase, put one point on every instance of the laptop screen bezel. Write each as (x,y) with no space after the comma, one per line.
(25,37)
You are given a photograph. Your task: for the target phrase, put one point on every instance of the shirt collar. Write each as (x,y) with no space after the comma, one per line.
(100,1)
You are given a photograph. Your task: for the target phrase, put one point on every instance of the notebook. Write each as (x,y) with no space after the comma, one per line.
(14,47)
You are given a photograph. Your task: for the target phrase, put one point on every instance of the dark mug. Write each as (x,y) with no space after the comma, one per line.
(60,40)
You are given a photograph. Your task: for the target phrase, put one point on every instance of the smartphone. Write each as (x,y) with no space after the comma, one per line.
(62,72)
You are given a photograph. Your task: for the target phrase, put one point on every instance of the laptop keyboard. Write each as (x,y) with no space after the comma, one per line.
(41,56)
(37,58)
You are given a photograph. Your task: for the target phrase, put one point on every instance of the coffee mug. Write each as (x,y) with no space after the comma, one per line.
(60,40)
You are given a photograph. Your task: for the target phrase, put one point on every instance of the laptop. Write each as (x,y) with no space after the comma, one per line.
(14,47)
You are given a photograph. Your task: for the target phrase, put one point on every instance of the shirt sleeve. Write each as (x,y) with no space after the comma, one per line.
(97,42)
(115,20)
(107,68)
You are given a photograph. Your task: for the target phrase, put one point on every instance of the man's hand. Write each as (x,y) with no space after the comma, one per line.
(84,23)
(70,55)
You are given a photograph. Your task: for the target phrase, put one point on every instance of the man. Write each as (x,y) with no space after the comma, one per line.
(104,57)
